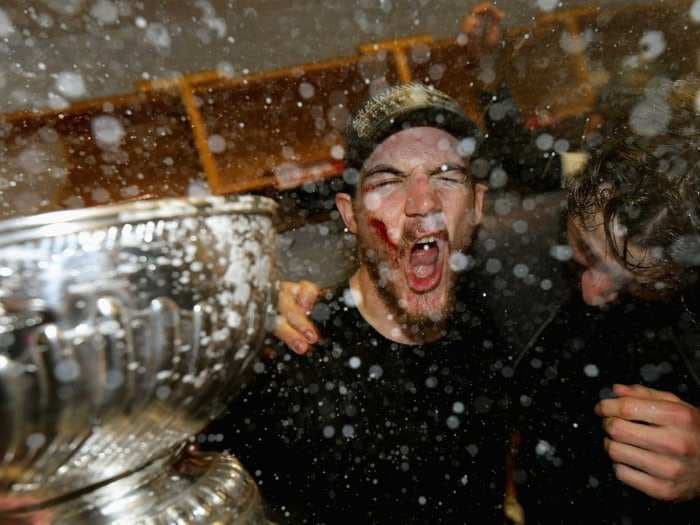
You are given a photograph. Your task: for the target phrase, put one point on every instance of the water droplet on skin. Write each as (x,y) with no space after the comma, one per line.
(443,144)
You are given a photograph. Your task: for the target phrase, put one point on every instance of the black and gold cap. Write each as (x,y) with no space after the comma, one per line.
(400,107)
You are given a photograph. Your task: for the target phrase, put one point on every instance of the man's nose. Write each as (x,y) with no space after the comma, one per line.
(421,198)
(598,287)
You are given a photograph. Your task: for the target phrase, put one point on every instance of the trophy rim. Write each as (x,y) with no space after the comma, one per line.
(57,223)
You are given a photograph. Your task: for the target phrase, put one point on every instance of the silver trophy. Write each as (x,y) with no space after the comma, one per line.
(123,331)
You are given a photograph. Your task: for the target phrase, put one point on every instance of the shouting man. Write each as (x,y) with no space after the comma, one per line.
(399,416)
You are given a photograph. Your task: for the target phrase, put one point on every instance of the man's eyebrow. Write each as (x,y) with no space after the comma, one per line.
(383,168)
(447,166)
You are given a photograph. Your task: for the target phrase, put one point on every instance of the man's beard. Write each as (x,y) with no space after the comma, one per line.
(426,326)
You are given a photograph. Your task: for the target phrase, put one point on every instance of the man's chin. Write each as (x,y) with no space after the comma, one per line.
(431,306)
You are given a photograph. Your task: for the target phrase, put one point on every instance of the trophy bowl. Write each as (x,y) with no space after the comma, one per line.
(123,330)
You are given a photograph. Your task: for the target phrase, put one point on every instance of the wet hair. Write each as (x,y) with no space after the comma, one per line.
(647,189)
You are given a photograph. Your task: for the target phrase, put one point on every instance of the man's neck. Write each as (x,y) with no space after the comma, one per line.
(375,311)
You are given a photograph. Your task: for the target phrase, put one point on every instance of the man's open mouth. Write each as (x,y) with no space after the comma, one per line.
(425,263)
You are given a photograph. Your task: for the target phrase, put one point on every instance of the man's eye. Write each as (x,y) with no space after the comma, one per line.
(382,183)
(452,178)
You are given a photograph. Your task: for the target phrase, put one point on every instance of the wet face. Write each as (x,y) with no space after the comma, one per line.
(414,214)
(604,277)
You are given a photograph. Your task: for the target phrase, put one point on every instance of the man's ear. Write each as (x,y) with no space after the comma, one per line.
(343,201)
(479,199)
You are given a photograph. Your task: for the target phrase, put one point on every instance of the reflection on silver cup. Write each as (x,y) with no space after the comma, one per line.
(123,331)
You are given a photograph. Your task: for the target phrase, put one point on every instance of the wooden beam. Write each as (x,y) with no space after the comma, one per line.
(200,136)
(397,47)
(193,79)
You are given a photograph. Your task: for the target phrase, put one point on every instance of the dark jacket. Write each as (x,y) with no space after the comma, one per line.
(564,474)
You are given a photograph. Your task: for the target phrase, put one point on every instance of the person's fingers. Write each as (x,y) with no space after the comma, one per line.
(307,295)
(485,8)
(493,35)
(653,411)
(651,486)
(289,336)
(289,309)
(302,324)
(288,288)
(655,439)
(643,391)
(656,465)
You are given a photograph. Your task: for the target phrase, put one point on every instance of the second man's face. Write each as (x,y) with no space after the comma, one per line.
(603,276)
(415,214)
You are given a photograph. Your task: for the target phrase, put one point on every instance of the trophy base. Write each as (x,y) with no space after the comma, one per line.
(196,489)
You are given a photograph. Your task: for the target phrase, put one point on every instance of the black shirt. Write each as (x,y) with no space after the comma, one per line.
(372,431)
(564,474)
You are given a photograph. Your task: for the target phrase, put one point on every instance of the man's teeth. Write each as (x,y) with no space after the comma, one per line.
(425,242)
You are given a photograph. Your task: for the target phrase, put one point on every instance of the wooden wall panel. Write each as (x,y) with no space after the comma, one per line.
(545,71)
(260,125)
(449,67)
(155,157)
(279,129)
(625,43)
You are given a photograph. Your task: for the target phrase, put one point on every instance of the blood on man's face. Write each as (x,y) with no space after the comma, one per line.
(415,211)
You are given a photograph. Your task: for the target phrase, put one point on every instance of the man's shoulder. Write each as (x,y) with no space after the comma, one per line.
(339,320)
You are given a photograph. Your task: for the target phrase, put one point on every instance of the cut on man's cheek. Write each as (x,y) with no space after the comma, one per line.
(381,231)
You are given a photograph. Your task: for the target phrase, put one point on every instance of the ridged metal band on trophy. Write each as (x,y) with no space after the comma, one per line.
(123,331)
